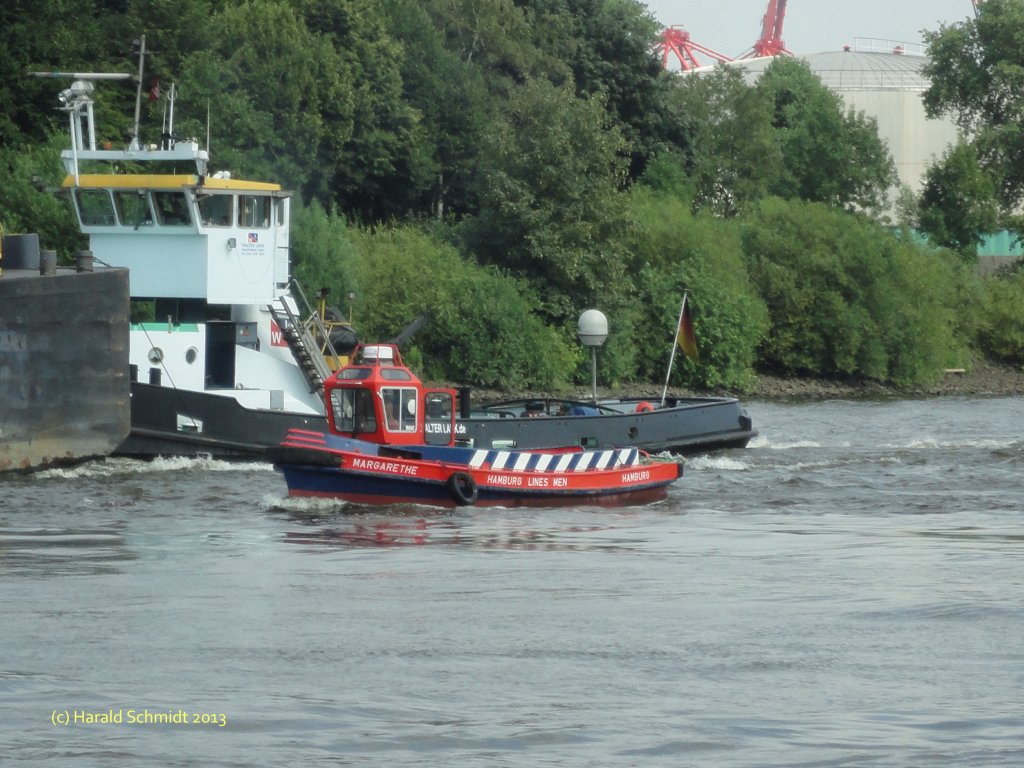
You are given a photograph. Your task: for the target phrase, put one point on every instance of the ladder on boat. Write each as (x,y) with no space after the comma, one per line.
(301,337)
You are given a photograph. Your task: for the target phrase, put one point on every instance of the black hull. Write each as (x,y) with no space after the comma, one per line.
(63,367)
(688,426)
(230,431)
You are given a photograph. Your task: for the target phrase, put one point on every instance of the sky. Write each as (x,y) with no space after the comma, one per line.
(730,27)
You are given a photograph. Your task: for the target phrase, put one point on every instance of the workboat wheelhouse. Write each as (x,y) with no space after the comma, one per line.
(378,399)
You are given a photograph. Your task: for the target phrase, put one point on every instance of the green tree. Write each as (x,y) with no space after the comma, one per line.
(267,79)
(551,209)
(957,204)
(828,155)
(726,140)
(448,90)
(27,202)
(323,255)
(494,35)
(607,45)
(56,35)
(379,155)
(976,68)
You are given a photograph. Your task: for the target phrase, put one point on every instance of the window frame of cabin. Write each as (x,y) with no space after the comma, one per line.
(438,409)
(399,406)
(352,410)
(255,211)
(179,201)
(133,196)
(216,218)
(90,214)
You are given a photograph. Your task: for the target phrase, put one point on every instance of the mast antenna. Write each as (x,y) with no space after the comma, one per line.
(138,93)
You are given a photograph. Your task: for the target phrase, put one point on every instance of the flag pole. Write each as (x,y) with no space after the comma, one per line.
(675,343)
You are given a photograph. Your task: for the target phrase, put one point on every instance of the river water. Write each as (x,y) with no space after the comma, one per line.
(847,591)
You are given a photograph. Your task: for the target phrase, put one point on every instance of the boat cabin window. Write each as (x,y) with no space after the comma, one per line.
(254,211)
(355,373)
(395,374)
(216,210)
(352,410)
(171,209)
(95,207)
(399,408)
(437,418)
(132,207)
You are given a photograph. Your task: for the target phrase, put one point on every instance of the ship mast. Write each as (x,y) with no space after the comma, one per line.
(134,145)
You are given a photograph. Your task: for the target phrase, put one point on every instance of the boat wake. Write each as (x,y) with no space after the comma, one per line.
(722,463)
(117,466)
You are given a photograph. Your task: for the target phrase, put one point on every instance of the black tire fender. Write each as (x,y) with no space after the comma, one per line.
(462,487)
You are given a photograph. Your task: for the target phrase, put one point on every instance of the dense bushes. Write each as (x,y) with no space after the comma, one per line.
(847,298)
(675,251)
(796,288)
(483,328)
(1001,320)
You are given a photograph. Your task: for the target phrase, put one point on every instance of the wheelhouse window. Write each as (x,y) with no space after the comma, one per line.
(171,209)
(132,207)
(437,413)
(216,210)
(254,211)
(95,207)
(399,408)
(352,410)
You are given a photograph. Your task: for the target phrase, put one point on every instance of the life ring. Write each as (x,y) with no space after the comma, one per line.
(644,407)
(463,489)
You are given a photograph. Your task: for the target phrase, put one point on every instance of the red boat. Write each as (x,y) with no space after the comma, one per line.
(391,440)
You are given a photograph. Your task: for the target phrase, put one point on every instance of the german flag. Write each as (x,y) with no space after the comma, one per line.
(685,337)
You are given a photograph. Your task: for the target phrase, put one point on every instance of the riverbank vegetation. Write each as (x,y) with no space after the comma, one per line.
(502,165)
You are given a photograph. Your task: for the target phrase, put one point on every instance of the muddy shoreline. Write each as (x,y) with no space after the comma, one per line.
(981,379)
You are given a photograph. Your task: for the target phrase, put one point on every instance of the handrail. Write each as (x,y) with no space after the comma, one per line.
(313,320)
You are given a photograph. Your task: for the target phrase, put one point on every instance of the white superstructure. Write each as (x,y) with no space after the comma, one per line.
(210,252)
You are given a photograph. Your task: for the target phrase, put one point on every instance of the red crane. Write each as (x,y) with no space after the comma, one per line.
(770,43)
(677,41)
